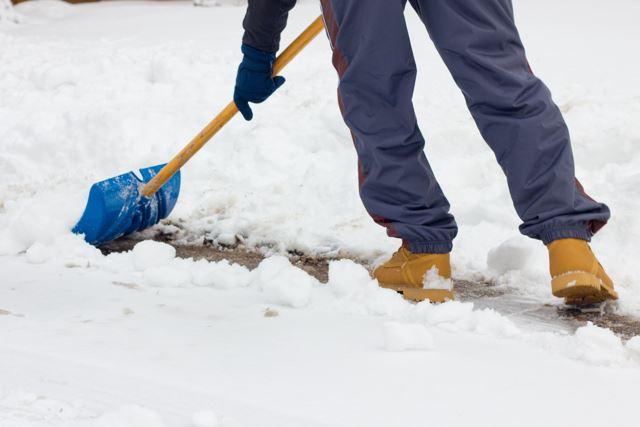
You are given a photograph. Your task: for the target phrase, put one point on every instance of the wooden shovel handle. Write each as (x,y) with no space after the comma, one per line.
(227,114)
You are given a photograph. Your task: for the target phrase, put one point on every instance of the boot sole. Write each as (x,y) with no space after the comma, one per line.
(420,294)
(581,288)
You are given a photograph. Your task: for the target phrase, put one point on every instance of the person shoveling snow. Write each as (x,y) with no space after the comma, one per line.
(513,109)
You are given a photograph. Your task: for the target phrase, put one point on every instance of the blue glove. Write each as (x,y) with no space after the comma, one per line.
(254,82)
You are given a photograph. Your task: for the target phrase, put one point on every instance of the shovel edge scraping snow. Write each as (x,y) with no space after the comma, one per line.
(116,206)
(125,204)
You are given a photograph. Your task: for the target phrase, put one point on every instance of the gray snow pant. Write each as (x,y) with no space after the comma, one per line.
(513,109)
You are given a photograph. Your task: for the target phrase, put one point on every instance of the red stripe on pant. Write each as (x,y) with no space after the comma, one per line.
(340,63)
(594,226)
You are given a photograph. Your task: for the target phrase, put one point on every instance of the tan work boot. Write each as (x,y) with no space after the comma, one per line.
(405,273)
(576,274)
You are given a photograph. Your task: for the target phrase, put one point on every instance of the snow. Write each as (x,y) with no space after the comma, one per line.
(598,345)
(38,253)
(407,336)
(128,416)
(511,255)
(433,280)
(205,419)
(7,13)
(283,283)
(222,275)
(148,254)
(146,338)
(88,339)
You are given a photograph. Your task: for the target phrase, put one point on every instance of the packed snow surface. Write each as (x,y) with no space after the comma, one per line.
(148,339)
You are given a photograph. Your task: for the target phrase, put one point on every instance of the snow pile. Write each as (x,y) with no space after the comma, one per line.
(39,253)
(283,283)
(148,253)
(67,250)
(407,336)
(221,275)
(356,292)
(157,262)
(599,346)
(350,289)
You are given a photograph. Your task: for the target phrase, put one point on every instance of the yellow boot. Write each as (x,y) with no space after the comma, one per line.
(405,273)
(576,274)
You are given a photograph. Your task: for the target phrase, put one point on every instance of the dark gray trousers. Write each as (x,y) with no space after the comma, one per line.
(513,109)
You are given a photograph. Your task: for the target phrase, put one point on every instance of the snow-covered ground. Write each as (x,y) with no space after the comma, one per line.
(7,13)
(145,339)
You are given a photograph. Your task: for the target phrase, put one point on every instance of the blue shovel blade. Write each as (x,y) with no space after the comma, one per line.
(116,208)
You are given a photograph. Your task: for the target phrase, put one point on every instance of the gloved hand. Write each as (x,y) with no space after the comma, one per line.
(254,82)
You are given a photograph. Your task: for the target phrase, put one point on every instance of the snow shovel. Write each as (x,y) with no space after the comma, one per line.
(127,203)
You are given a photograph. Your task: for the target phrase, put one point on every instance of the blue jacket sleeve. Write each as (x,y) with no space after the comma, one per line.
(264,21)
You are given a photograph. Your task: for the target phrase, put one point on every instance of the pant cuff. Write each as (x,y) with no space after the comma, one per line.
(428,247)
(549,236)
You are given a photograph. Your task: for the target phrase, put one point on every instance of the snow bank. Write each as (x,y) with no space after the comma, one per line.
(350,290)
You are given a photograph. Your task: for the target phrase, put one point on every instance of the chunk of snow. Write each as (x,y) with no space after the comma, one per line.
(512,254)
(39,253)
(451,312)
(599,346)
(221,275)
(347,277)
(407,336)
(433,280)
(357,292)
(490,322)
(149,253)
(283,283)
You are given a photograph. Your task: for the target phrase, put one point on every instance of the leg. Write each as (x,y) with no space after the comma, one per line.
(373,57)
(514,111)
